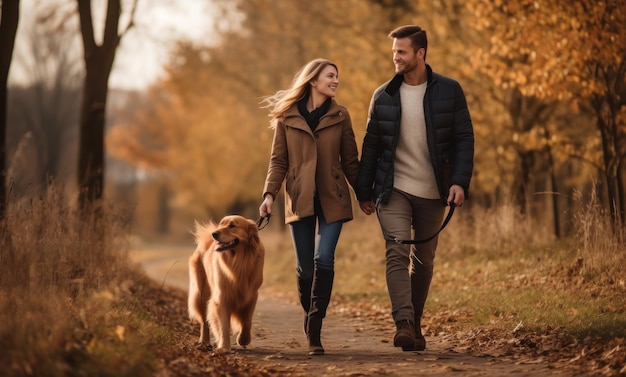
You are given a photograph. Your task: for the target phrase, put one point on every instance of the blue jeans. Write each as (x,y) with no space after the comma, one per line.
(314,252)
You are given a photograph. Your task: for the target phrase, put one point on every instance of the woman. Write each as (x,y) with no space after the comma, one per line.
(314,151)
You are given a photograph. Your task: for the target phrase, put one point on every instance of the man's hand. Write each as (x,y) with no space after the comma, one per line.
(367,207)
(456,195)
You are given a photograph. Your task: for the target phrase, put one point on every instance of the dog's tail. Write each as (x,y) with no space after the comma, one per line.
(199,289)
(203,236)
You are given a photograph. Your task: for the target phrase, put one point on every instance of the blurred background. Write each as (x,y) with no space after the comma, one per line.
(124,121)
(185,138)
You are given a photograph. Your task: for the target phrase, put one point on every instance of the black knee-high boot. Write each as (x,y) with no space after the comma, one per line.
(322,288)
(304,294)
(420,284)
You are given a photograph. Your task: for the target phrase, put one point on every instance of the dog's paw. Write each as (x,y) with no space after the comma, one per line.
(244,339)
(204,347)
(221,350)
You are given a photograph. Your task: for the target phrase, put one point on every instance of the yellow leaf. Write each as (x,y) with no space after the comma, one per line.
(119,331)
(91,345)
(572,312)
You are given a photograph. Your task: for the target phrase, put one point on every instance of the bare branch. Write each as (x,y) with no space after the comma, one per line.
(131,21)
(86,27)
(111,37)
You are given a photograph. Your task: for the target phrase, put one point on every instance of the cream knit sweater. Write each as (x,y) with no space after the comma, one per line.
(413,171)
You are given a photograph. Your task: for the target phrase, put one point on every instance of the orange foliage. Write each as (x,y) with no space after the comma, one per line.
(205,113)
(551,48)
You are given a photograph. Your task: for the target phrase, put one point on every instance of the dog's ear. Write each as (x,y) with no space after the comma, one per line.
(253,235)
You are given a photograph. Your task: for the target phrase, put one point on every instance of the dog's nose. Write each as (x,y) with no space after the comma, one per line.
(216,235)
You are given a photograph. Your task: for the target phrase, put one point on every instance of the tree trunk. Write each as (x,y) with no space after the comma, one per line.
(164,214)
(8,28)
(91,140)
(524,180)
(620,194)
(98,65)
(554,196)
(610,148)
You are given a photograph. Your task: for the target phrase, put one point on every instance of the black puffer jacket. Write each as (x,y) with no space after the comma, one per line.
(449,133)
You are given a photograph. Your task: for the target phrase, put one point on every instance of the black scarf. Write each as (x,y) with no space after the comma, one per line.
(313,118)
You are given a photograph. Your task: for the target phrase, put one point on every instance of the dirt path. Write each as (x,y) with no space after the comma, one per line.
(355,346)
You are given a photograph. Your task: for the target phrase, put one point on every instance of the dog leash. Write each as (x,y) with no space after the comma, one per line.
(414,242)
(262,223)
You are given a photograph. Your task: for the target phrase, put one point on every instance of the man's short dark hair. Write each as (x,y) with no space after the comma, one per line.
(415,33)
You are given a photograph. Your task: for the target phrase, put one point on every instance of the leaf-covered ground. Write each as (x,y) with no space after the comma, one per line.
(357,336)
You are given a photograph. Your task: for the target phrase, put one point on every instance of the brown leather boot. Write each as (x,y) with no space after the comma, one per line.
(405,335)
(320,298)
(420,341)
(314,336)
(304,294)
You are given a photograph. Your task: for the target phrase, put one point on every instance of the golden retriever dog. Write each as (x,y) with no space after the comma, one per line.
(225,274)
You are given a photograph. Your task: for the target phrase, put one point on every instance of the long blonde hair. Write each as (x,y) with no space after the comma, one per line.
(300,86)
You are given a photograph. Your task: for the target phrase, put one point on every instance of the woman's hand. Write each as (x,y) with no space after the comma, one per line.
(266,207)
(367,207)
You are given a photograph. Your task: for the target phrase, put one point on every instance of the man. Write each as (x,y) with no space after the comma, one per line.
(417,157)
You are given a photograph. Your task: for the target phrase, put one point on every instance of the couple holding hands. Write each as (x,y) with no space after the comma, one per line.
(416,158)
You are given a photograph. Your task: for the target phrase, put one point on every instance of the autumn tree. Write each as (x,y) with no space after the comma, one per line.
(207,109)
(8,29)
(571,52)
(516,122)
(44,108)
(205,130)
(99,60)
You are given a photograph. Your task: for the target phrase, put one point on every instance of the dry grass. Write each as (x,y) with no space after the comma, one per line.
(71,305)
(494,268)
(61,282)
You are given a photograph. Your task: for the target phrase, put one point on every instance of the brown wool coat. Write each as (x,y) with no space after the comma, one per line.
(321,162)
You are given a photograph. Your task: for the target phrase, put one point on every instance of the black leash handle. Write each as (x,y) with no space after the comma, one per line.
(443,225)
(261,219)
